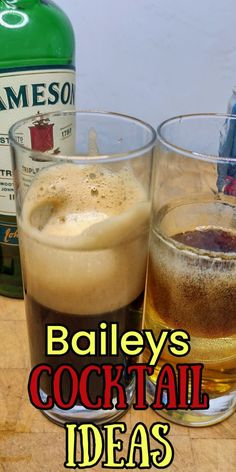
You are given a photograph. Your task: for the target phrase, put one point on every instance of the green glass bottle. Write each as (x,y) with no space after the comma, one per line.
(37,75)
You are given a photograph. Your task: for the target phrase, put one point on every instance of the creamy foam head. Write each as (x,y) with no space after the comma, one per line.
(83,235)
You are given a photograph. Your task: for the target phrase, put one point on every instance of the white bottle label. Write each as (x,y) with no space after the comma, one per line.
(26,92)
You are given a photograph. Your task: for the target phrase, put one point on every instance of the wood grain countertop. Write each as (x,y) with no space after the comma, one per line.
(31,443)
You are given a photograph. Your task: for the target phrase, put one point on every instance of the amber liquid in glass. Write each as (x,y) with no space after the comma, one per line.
(192,286)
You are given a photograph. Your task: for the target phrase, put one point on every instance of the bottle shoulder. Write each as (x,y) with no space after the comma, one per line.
(39,34)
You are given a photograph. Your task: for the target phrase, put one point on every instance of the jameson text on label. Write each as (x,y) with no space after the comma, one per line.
(26,92)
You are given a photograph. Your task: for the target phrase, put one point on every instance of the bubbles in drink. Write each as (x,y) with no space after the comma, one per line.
(86,234)
(189,287)
(94,192)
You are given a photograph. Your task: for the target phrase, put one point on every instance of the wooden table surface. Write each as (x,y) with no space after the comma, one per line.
(31,443)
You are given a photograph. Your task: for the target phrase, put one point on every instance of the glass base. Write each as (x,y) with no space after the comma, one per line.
(79,414)
(219,409)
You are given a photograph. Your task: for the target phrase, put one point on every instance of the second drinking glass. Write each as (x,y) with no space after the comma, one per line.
(191,282)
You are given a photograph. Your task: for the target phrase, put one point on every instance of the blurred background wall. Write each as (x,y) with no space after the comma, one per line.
(154,58)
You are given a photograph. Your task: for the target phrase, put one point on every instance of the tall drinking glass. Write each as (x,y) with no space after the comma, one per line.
(82,186)
(191,282)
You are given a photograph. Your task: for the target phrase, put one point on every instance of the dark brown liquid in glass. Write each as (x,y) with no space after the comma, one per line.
(38,317)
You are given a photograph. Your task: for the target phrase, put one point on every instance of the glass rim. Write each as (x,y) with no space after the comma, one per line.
(82,159)
(186,152)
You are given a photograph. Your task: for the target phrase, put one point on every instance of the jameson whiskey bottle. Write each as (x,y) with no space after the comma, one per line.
(37,75)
